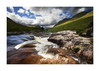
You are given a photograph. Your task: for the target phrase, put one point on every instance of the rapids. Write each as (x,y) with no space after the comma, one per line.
(41,43)
(44,46)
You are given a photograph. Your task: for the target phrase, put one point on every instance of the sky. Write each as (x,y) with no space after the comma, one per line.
(43,16)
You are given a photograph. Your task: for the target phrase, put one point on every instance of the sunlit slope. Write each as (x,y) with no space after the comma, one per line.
(77,23)
(74,17)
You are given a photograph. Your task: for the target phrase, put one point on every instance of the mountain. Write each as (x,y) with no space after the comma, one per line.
(74,17)
(80,23)
(15,27)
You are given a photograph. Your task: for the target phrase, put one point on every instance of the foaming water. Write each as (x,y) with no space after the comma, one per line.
(44,46)
(25,43)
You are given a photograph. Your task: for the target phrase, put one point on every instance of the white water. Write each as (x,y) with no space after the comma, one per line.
(44,46)
(25,43)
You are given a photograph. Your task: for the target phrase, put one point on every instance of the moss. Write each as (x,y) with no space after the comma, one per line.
(76,49)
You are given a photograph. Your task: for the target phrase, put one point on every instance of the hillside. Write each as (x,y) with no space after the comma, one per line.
(79,23)
(74,17)
(15,27)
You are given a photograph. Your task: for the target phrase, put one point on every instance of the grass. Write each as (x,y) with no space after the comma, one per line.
(80,24)
(15,27)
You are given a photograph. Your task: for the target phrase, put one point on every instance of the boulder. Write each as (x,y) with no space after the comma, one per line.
(70,40)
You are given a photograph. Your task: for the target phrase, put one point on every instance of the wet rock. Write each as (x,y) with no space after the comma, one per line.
(71,60)
(32,59)
(53,50)
(22,55)
(29,46)
(59,60)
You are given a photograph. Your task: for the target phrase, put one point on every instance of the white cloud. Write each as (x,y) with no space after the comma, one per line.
(49,15)
(81,10)
(27,12)
(21,11)
(11,8)
(21,20)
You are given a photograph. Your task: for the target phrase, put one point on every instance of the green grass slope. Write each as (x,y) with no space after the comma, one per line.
(15,27)
(75,17)
(77,23)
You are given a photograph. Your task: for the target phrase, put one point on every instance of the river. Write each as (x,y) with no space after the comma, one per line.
(13,40)
(17,41)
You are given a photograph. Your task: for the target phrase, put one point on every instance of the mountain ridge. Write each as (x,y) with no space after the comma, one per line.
(78,24)
(16,27)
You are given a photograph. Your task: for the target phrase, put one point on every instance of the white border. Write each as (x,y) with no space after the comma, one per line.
(32,67)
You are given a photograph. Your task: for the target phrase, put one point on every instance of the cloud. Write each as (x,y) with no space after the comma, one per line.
(45,16)
(48,15)
(11,8)
(81,10)
(21,11)
(27,12)
(22,20)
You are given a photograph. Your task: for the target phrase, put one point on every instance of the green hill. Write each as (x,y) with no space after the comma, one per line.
(79,23)
(15,27)
(74,17)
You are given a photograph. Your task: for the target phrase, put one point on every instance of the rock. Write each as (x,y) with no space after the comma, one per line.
(58,39)
(83,34)
(53,50)
(67,39)
(87,52)
(71,60)
(30,56)
(32,59)
(59,60)
(90,32)
(29,46)
(23,56)
(70,40)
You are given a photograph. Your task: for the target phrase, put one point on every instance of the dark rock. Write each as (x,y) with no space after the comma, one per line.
(90,32)
(53,50)
(29,46)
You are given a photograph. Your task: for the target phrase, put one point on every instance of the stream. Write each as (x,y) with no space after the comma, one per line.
(13,40)
(41,43)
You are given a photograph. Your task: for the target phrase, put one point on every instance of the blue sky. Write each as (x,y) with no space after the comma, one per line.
(22,14)
(33,15)
(42,15)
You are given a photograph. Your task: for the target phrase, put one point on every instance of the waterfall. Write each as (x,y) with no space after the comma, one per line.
(44,46)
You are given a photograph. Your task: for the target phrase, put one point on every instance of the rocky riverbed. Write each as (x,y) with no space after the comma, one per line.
(65,47)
